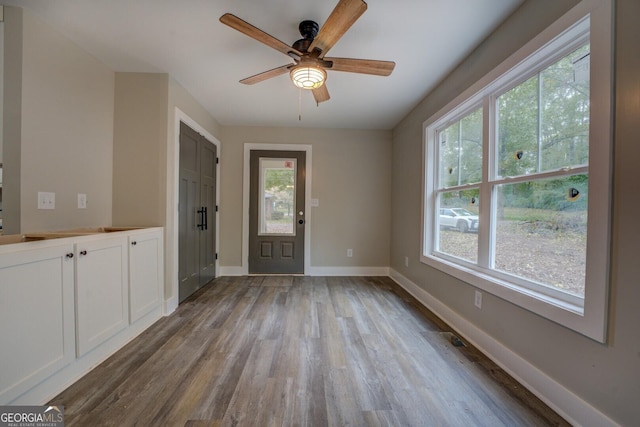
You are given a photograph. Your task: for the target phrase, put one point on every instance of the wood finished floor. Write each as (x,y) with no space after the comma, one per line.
(300,351)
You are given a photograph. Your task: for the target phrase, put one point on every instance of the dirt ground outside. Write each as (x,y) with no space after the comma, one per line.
(556,258)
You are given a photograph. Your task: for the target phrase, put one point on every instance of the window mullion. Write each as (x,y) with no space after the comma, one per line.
(484,229)
(539,159)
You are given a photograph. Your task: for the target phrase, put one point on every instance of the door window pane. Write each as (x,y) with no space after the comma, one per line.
(277,201)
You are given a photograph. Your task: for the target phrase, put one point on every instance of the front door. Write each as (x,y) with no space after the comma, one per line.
(276,212)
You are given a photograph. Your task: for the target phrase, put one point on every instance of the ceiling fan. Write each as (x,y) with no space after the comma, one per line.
(309,70)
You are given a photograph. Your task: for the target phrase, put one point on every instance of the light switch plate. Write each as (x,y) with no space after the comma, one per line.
(46,200)
(315,203)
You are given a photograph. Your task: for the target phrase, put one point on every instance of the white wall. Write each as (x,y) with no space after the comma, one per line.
(603,377)
(351,180)
(66,128)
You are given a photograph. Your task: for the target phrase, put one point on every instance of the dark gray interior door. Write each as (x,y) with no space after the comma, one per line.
(197,211)
(276,212)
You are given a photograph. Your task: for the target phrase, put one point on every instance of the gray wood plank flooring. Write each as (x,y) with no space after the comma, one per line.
(300,351)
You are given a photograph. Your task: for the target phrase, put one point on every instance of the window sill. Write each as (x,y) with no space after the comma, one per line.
(559,311)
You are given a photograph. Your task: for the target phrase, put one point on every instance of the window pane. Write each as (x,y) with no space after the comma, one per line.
(460,152)
(543,123)
(277,189)
(547,218)
(458,223)
(518,129)
(565,112)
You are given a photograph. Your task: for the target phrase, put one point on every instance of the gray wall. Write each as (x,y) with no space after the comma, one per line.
(140,140)
(605,376)
(58,133)
(351,179)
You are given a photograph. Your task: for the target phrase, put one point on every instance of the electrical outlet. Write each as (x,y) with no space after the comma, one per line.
(46,200)
(349,253)
(82,201)
(478,299)
(406,261)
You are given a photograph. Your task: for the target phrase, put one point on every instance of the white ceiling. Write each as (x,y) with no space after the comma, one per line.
(426,39)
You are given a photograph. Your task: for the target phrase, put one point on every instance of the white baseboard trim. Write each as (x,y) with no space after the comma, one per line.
(348,271)
(571,407)
(170,305)
(319,271)
(58,382)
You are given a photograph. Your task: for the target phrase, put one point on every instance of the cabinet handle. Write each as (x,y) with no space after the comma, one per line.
(70,255)
(83,252)
(134,243)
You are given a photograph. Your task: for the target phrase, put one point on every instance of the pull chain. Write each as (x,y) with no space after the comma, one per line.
(300,104)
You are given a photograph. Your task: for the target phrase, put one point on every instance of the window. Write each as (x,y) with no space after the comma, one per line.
(510,170)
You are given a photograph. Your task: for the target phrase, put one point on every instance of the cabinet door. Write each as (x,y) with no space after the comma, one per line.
(36,317)
(145,273)
(101,291)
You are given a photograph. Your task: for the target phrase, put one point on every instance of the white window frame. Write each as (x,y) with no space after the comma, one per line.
(587,316)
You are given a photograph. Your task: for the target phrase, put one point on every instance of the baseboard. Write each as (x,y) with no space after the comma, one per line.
(58,382)
(170,305)
(348,271)
(571,407)
(320,271)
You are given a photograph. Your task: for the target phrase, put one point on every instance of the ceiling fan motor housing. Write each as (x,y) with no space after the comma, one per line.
(309,31)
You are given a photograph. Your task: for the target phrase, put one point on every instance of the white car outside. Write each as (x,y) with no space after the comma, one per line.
(458,218)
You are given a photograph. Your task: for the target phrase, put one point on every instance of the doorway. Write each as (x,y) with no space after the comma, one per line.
(197,212)
(277,217)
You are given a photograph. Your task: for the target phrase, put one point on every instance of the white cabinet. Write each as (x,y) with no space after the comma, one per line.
(68,303)
(36,316)
(101,290)
(145,273)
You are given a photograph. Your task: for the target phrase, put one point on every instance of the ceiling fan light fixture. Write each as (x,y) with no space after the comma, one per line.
(308,77)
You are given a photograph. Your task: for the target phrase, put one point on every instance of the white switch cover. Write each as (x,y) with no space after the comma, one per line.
(315,203)
(349,253)
(82,201)
(46,200)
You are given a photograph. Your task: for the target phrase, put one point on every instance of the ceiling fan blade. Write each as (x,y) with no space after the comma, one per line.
(259,35)
(362,66)
(341,19)
(267,75)
(321,94)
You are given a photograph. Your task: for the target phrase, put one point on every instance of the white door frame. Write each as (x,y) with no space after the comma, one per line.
(171,228)
(245,199)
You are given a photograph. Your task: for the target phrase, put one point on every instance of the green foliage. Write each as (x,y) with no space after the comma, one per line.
(461,151)
(543,123)
(279,179)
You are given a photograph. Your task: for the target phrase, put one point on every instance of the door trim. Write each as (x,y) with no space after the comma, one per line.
(245,199)
(171,290)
